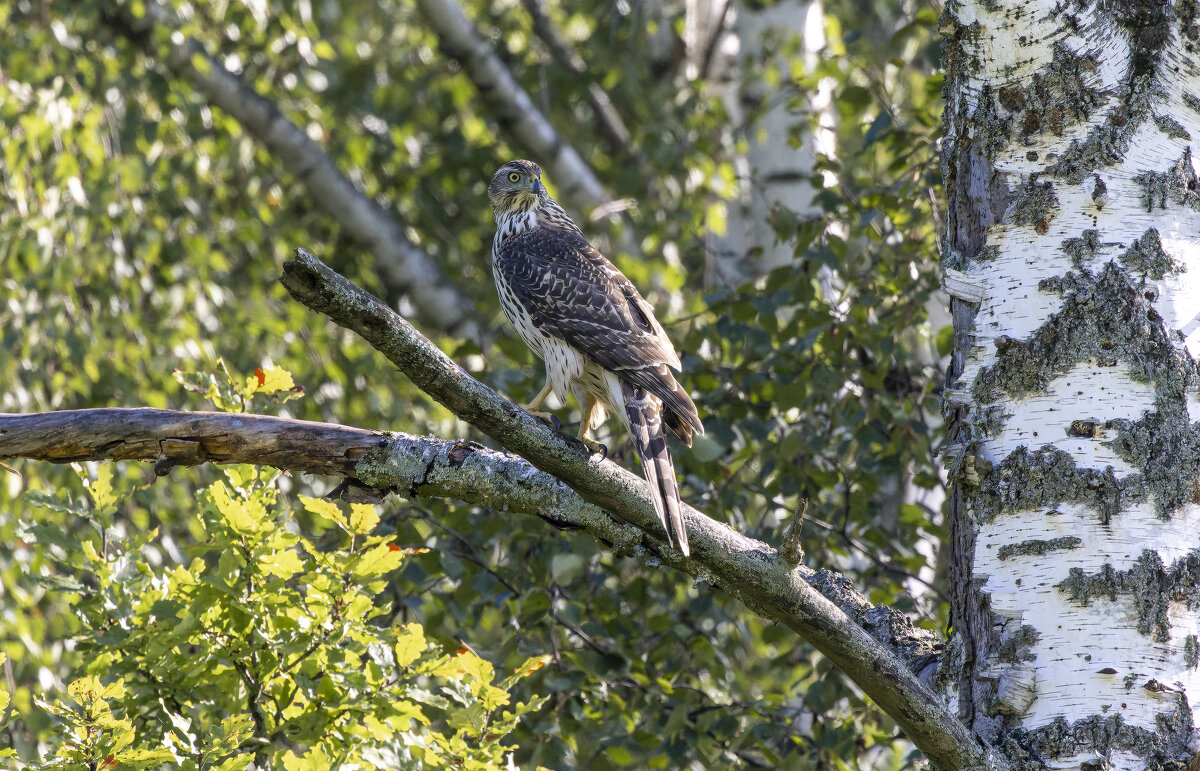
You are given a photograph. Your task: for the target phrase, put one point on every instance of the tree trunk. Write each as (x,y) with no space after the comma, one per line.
(781,152)
(748,63)
(1072,398)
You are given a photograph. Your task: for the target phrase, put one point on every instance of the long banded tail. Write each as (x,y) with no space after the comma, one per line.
(644,412)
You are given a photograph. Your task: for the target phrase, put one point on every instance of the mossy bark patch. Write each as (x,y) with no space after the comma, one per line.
(1035,204)
(1148,29)
(1147,256)
(1018,646)
(1043,478)
(1177,185)
(1038,546)
(1103,319)
(1166,449)
(1149,584)
(1159,750)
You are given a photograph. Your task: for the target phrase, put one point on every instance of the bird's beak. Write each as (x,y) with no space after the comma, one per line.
(537,187)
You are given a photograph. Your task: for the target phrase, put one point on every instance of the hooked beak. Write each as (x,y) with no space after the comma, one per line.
(537,187)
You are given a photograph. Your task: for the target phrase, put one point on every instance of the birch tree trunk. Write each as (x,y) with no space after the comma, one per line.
(1074,266)
(781,151)
(748,63)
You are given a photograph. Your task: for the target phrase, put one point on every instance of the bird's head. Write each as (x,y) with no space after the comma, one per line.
(516,187)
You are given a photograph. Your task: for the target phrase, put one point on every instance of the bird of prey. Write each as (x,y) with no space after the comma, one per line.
(596,334)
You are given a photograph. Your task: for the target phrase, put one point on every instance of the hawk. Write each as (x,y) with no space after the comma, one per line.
(595,332)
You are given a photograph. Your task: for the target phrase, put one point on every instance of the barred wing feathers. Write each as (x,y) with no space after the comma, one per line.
(573,293)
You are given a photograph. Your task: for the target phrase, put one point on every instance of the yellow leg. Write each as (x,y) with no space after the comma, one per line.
(585,421)
(535,406)
(589,407)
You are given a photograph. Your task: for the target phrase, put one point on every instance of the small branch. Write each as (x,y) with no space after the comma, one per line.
(792,551)
(748,569)
(510,106)
(403,266)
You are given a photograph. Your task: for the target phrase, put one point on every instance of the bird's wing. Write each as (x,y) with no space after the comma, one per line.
(576,295)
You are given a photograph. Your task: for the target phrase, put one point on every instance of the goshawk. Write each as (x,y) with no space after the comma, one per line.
(596,334)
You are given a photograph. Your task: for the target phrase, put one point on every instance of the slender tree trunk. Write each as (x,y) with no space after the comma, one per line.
(734,45)
(1074,266)
(781,151)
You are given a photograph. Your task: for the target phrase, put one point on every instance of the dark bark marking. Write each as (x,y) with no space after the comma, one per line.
(1150,585)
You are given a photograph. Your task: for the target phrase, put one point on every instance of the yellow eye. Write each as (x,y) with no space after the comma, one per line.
(514,177)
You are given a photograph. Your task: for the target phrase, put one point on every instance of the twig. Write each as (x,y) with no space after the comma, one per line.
(607,118)
(510,105)
(867,551)
(792,552)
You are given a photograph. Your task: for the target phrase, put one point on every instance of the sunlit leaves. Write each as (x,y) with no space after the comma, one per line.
(242,515)
(98,738)
(225,392)
(410,643)
(264,641)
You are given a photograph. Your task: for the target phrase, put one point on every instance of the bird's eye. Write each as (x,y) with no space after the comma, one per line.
(514,177)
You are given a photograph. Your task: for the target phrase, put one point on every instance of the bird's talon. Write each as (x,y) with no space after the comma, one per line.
(594,447)
(549,418)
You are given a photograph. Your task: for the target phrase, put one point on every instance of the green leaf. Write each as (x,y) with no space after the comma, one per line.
(410,644)
(620,756)
(363,517)
(100,488)
(565,567)
(242,516)
(313,760)
(379,560)
(326,510)
(269,381)
(284,564)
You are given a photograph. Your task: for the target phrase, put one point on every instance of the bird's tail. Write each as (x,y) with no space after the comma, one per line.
(644,412)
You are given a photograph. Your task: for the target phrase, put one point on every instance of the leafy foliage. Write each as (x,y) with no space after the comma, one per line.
(263,646)
(141,236)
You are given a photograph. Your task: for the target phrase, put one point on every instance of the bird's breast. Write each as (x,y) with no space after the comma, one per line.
(518,316)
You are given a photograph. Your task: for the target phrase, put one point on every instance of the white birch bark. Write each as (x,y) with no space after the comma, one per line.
(778,173)
(1074,262)
(732,50)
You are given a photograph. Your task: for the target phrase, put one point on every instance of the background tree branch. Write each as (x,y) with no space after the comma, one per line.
(607,117)
(403,267)
(510,105)
(748,569)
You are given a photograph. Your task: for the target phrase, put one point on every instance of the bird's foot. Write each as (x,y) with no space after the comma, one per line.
(594,447)
(549,418)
